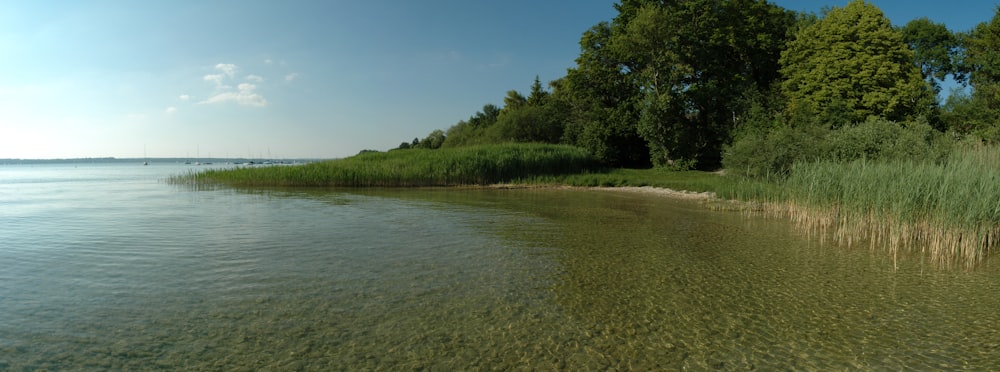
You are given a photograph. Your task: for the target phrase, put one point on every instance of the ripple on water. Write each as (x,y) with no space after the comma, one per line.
(161,277)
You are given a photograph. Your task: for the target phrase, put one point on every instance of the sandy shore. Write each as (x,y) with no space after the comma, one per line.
(659,191)
(648,190)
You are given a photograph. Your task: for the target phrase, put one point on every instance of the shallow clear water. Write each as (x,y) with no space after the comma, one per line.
(104,266)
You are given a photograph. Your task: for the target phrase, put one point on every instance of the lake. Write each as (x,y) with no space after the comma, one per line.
(106,266)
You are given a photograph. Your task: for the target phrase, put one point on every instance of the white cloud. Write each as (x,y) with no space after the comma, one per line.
(184,97)
(227,68)
(292,76)
(245,95)
(268,61)
(215,78)
(170,110)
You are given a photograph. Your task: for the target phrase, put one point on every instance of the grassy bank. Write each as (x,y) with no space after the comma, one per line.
(475,165)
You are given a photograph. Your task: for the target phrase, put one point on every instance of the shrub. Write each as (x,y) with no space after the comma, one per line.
(759,154)
(762,154)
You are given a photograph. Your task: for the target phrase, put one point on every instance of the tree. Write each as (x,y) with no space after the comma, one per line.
(601,98)
(528,124)
(854,57)
(514,100)
(935,49)
(462,134)
(982,62)
(433,141)
(486,117)
(538,95)
(694,62)
(472,131)
(531,119)
(965,114)
(978,114)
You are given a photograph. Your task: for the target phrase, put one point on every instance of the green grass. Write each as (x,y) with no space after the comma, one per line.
(655,177)
(475,165)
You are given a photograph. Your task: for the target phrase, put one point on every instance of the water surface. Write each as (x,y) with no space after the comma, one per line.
(103,266)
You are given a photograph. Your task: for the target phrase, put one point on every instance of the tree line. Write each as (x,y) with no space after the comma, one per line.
(751,86)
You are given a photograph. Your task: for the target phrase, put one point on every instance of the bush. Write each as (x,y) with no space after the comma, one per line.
(759,154)
(881,139)
(763,154)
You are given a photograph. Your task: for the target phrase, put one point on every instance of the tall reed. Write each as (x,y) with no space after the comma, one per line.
(475,165)
(949,211)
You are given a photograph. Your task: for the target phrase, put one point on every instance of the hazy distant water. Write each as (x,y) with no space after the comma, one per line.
(103,266)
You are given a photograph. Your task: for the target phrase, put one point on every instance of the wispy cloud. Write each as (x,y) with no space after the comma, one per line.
(184,97)
(214,78)
(245,95)
(170,110)
(268,61)
(224,71)
(227,68)
(292,76)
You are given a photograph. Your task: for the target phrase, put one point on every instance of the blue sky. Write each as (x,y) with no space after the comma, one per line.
(317,79)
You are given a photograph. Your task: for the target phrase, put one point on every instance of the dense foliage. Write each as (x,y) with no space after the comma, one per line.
(934,50)
(853,61)
(765,154)
(695,61)
(745,83)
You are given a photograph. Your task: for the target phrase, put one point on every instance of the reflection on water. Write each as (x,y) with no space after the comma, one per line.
(650,283)
(159,276)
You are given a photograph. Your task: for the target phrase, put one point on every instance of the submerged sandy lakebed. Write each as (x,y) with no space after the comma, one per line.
(648,190)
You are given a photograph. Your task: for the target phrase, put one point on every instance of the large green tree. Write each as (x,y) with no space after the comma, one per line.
(935,49)
(853,61)
(601,98)
(982,61)
(694,63)
(979,113)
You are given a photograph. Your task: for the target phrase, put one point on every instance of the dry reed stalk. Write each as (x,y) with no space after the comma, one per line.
(946,246)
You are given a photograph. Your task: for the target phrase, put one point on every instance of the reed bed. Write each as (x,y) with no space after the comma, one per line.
(475,165)
(949,211)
